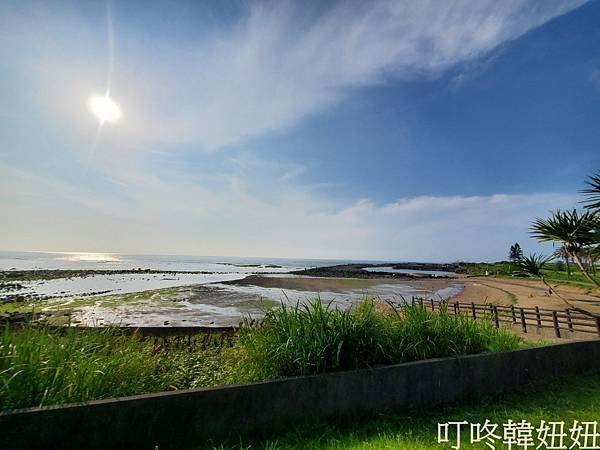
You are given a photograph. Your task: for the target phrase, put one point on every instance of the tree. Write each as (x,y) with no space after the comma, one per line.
(579,236)
(575,231)
(562,253)
(590,256)
(593,193)
(534,265)
(592,203)
(515,252)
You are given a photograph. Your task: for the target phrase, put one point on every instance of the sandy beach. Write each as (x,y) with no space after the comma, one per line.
(524,292)
(501,291)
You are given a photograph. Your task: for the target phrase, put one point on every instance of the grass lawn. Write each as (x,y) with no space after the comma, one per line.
(575,399)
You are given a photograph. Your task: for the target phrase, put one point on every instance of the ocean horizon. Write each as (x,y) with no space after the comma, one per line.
(44,260)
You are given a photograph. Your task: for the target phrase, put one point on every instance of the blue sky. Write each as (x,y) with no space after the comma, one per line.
(372,130)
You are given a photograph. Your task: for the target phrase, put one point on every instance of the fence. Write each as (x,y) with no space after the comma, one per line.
(527,318)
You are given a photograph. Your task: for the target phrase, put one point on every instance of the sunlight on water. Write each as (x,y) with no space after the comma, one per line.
(89,257)
(168,290)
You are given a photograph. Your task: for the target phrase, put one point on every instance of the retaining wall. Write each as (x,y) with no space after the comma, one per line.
(188,418)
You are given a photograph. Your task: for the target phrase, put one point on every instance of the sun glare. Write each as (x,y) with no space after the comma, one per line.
(104,108)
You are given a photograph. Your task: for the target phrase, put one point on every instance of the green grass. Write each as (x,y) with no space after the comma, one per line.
(45,366)
(575,399)
(554,272)
(313,338)
(497,268)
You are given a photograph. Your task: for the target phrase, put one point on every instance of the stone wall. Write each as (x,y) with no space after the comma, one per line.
(188,418)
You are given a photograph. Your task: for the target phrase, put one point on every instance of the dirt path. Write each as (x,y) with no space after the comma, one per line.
(526,293)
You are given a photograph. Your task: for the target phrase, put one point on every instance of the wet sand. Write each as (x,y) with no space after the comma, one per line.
(204,299)
(216,298)
(501,291)
(341,285)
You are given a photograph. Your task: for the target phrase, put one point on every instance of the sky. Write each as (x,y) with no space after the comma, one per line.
(384,130)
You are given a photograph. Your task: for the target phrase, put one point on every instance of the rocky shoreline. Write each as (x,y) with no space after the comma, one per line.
(9,278)
(12,282)
(358,271)
(52,274)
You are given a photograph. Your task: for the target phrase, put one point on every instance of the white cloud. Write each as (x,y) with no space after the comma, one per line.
(272,68)
(160,217)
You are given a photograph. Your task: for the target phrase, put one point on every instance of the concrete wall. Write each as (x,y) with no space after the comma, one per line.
(186,418)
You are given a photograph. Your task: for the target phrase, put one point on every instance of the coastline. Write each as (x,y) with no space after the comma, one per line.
(342,284)
(329,282)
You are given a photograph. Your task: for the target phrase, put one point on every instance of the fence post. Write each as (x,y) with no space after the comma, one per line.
(523,321)
(455,311)
(569,321)
(432,305)
(538,317)
(473,309)
(457,306)
(514,316)
(555,320)
(496,318)
(598,325)
(421,302)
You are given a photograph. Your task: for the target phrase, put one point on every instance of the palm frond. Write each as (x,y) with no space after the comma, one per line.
(592,193)
(533,264)
(572,229)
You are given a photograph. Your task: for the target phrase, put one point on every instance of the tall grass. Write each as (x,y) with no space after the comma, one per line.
(43,366)
(314,338)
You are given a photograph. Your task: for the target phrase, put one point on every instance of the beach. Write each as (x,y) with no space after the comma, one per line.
(105,289)
(340,284)
(213,291)
(525,293)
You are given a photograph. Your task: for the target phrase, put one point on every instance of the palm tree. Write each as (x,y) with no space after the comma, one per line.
(562,253)
(593,204)
(592,255)
(593,193)
(534,265)
(574,230)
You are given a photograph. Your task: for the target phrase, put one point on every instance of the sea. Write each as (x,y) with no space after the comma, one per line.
(119,261)
(186,290)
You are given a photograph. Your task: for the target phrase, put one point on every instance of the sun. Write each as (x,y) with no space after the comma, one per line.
(104,108)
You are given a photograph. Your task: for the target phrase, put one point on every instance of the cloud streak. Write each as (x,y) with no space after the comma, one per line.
(272,68)
(275,66)
(158,217)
